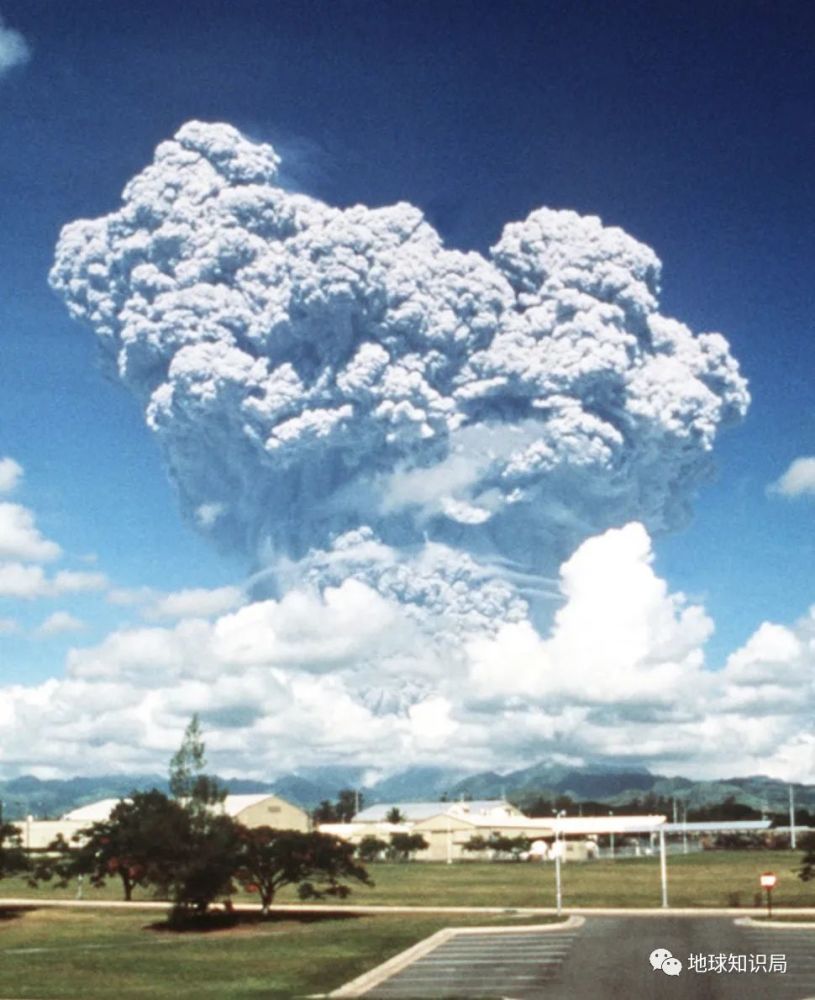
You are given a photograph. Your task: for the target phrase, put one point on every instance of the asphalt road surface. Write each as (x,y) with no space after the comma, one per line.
(608,959)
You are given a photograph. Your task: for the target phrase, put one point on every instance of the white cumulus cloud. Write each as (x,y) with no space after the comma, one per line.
(19,537)
(283,683)
(60,622)
(14,50)
(195,602)
(798,480)
(11,473)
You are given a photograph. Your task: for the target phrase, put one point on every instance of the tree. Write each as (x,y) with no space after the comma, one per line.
(349,803)
(513,846)
(499,844)
(404,845)
(13,859)
(189,784)
(140,844)
(317,863)
(371,848)
(807,870)
(476,843)
(395,815)
(326,812)
(208,857)
(206,850)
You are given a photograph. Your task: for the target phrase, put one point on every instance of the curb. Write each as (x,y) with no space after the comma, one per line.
(374,977)
(781,925)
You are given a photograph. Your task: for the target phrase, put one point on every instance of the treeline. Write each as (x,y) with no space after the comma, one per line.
(186,851)
(651,804)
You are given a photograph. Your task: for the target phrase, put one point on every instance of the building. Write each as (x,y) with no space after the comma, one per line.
(263,809)
(448,827)
(251,811)
(413,812)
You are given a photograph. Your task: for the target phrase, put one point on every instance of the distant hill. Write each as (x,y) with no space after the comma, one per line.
(610,784)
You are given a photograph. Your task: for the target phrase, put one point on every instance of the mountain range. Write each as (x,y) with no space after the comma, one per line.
(608,784)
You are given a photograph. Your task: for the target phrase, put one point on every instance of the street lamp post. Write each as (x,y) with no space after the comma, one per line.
(663,869)
(558,887)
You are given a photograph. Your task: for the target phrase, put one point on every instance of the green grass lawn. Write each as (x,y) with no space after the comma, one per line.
(708,878)
(711,878)
(97,955)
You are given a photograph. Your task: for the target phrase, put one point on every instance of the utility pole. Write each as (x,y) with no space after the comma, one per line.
(558,842)
(663,869)
(793,841)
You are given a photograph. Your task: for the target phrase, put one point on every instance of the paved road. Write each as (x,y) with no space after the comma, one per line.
(483,965)
(608,958)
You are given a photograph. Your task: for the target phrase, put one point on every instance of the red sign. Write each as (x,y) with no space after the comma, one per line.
(768,880)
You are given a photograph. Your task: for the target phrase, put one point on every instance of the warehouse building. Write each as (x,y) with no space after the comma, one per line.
(261,809)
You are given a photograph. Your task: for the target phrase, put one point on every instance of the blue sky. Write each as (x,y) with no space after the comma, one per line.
(689,127)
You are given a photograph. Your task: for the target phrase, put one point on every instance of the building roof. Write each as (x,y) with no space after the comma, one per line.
(416,811)
(721,826)
(93,812)
(585,825)
(233,805)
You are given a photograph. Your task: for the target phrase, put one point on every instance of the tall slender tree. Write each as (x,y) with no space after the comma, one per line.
(189,783)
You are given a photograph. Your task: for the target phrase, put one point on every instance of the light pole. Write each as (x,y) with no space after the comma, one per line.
(611,834)
(558,889)
(663,869)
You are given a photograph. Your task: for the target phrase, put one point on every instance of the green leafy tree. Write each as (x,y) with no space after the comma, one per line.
(476,843)
(326,812)
(349,803)
(189,783)
(807,870)
(317,863)
(206,850)
(395,815)
(404,845)
(13,859)
(371,848)
(513,846)
(140,844)
(204,866)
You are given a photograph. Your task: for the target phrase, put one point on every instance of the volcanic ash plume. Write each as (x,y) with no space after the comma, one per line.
(311,370)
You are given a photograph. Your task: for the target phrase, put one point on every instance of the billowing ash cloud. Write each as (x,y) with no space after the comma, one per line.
(310,370)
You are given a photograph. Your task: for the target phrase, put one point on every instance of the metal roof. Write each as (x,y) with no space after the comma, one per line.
(722,826)
(416,811)
(232,805)
(585,825)
(94,812)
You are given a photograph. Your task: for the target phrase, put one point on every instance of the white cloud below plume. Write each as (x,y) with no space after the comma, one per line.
(282,683)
